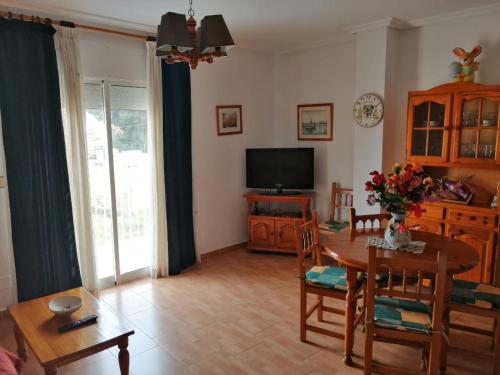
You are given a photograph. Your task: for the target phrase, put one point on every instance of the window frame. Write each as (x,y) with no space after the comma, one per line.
(118,277)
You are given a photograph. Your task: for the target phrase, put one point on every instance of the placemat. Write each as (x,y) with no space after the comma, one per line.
(415,247)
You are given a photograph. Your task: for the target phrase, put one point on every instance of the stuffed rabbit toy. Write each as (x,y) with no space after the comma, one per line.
(464,71)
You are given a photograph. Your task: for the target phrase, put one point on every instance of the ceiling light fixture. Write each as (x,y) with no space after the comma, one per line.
(179,40)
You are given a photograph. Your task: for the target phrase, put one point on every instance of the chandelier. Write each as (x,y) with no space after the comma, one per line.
(179,40)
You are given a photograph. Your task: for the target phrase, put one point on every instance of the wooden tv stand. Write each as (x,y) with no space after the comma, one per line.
(273,228)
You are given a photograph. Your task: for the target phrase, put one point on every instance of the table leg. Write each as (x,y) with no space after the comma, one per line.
(350,314)
(123,356)
(446,324)
(52,370)
(21,349)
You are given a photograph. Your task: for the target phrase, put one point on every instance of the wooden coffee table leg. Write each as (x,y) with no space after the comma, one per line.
(21,349)
(446,325)
(350,314)
(123,356)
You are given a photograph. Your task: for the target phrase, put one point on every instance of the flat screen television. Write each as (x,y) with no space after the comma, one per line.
(280,168)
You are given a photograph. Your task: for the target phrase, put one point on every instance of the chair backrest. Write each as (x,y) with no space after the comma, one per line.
(373,221)
(307,242)
(380,263)
(340,200)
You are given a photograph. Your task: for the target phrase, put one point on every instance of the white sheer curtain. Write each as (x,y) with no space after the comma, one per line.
(70,80)
(159,259)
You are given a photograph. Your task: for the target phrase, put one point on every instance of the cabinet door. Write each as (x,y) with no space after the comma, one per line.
(475,138)
(285,234)
(262,232)
(428,128)
(482,242)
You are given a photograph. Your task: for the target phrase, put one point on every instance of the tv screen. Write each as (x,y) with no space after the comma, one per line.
(293,168)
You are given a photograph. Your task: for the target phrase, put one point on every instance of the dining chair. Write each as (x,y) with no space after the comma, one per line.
(405,316)
(369,222)
(320,280)
(479,300)
(341,200)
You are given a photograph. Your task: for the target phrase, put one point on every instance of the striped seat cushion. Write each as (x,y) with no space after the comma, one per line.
(329,277)
(476,294)
(403,314)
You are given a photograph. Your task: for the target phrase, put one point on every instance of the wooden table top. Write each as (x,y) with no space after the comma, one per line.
(39,327)
(349,248)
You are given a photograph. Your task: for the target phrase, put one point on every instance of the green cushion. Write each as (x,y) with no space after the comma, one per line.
(333,225)
(329,277)
(402,314)
(472,293)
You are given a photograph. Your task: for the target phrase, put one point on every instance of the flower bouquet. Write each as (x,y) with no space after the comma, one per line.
(402,191)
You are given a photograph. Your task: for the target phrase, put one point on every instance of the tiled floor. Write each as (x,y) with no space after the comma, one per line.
(237,313)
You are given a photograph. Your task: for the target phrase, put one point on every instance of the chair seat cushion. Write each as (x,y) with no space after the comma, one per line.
(333,225)
(476,294)
(329,277)
(403,314)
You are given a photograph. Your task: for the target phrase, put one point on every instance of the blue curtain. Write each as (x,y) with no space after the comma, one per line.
(40,203)
(177,154)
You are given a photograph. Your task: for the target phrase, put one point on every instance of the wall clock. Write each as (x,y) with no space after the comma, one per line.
(368,110)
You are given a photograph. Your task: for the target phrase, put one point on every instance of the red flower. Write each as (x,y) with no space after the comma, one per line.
(418,168)
(378,178)
(368,186)
(416,209)
(403,228)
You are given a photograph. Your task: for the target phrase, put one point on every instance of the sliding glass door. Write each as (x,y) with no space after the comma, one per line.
(120,180)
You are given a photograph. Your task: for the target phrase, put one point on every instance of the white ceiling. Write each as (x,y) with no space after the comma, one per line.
(270,25)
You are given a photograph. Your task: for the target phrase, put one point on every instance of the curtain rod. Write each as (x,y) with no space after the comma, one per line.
(22,17)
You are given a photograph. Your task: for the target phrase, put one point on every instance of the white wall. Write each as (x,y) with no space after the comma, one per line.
(371,62)
(320,75)
(246,78)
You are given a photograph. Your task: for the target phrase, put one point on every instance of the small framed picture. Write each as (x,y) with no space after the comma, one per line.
(229,119)
(315,122)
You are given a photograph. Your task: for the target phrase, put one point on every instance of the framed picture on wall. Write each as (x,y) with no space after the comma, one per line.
(315,122)
(229,119)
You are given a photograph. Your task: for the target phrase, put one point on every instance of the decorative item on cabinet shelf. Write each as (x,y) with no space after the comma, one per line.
(494,201)
(464,71)
(402,191)
(462,190)
(455,190)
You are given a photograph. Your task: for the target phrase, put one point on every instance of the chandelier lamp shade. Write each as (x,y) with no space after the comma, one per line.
(179,40)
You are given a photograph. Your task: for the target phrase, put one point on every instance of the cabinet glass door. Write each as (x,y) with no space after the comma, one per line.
(428,128)
(477,130)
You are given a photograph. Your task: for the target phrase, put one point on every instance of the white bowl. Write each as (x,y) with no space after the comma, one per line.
(65,305)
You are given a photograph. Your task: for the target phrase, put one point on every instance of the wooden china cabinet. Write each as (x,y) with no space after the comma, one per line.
(454,130)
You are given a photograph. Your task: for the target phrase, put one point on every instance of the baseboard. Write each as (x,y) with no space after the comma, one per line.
(223,250)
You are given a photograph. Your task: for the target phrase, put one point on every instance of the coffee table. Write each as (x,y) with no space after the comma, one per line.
(37,325)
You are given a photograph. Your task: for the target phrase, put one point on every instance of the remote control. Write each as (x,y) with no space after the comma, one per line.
(79,323)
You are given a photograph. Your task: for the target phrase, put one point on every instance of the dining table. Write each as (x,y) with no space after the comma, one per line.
(350,249)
